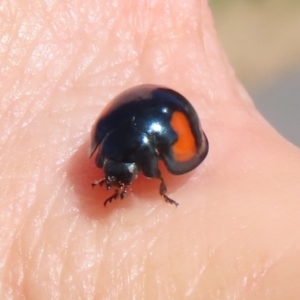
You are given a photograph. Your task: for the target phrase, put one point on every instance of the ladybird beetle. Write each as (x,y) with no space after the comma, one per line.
(141,126)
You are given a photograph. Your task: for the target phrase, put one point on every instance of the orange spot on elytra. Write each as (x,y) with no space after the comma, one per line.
(185,147)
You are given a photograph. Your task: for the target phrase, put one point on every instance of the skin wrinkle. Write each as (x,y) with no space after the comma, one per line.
(53,265)
(107,252)
(18,122)
(64,265)
(92,283)
(85,66)
(151,35)
(48,283)
(217,249)
(194,282)
(14,234)
(35,241)
(27,44)
(128,254)
(11,41)
(256,276)
(41,33)
(111,66)
(16,271)
(215,54)
(194,273)
(68,68)
(98,274)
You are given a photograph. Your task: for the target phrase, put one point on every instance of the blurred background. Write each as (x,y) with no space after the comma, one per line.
(262,40)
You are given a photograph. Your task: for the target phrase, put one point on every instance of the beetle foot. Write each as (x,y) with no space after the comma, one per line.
(163,190)
(169,200)
(111,198)
(124,192)
(98,182)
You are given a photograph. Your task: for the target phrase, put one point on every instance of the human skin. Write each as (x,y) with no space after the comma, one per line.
(235,233)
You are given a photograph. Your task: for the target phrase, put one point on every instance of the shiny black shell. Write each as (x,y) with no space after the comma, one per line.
(136,127)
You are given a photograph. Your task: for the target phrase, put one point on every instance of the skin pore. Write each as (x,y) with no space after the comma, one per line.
(235,233)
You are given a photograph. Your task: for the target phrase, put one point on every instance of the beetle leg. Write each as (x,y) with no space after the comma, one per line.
(124,191)
(163,190)
(111,198)
(108,185)
(98,182)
